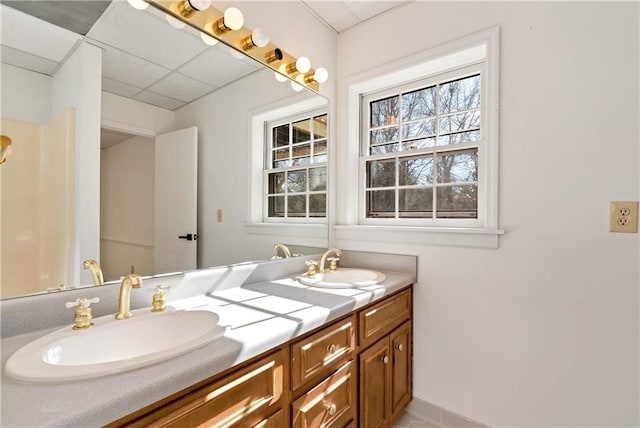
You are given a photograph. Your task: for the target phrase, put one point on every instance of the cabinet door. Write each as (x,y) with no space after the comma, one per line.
(273,421)
(400,368)
(375,385)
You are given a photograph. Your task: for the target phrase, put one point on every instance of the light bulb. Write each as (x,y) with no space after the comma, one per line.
(303,64)
(260,37)
(321,75)
(296,86)
(208,39)
(200,4)
(138,4)
(280,77)
(175,23)
(233,18)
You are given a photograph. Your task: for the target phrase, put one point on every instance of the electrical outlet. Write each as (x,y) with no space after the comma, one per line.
(623,216)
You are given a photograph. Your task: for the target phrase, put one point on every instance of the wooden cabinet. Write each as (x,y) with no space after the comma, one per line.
(355,371)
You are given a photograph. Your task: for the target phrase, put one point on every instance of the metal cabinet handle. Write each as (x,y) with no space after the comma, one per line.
(331,349)
(332,409)
(385,359)
(399,347)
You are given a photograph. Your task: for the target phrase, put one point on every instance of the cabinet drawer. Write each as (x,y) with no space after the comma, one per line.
(322,352)
(244,397)
(380,319)
(330,404)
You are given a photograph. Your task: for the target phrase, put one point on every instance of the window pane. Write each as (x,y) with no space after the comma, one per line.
(282,164)
(423,128)
(381,203)
(297,206)
(276,182)
(319,147)
(457,167)
(318,205)
(317,179)
(385,135)
(276,206)
(461,94)
(297,181)
(415,171)
(281,135)
(419,104)
(384,112)
(320,158)
(460,122)
(418,144)
(301,154)
(385,148)
(415,203)
(459,137)
(320,127)
(301,131)
(457,201)
(381,173)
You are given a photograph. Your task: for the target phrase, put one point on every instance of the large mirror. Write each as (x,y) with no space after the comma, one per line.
(131,137)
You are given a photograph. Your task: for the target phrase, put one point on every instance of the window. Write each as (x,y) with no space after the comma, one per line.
(296,169)
(419,164)
(420,148)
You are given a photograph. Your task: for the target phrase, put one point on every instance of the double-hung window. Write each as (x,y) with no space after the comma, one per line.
(296,169)
(420,149)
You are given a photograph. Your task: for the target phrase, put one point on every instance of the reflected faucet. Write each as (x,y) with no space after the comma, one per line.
(283,248)
(128,282)
(96,272)
(323,259)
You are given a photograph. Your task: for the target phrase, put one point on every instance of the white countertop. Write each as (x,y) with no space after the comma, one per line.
(261,316)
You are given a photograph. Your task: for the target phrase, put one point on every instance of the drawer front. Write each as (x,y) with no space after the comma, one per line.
(273,421)
(380,319)
(244,398)
(330,404)
(322,352)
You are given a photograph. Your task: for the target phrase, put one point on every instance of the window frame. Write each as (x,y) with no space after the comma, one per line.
(348,232)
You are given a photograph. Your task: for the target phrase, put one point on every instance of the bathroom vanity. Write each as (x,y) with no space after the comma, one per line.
(292,355)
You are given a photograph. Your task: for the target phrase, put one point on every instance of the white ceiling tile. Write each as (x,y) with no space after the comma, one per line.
(181,87)
(27,33)
(368,9)
(218,68)
(145,35)
(126,68)
(27,61)
(119,88)
(159,100)
(334,13)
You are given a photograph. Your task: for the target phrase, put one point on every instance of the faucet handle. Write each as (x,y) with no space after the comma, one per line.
(158,301)
(311,267)
(333,262)
(82,318)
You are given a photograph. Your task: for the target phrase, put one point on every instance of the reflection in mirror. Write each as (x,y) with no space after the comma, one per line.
(92,111)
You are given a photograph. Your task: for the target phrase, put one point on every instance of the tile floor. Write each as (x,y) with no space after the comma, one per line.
(407,420)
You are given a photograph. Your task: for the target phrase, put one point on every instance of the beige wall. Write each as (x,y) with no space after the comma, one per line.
(126,207)
(36,227)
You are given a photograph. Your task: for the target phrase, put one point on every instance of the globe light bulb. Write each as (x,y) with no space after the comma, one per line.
(138,4)
(321,75)
(208,39)
(233,18)
(296,86)
(280,77)
(303,64)
(260,37)
(200,4)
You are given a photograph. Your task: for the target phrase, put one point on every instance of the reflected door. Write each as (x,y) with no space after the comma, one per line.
(176,190)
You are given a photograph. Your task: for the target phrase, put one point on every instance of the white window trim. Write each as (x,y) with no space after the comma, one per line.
(296,234)
(482,46)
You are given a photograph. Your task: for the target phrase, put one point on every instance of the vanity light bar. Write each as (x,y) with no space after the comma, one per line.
(228,28)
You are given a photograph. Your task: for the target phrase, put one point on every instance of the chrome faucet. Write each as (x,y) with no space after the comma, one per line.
(128,282)
(285,250)
(96,272)
(323,259)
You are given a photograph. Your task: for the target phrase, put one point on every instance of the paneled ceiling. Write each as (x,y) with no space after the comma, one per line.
(40,35)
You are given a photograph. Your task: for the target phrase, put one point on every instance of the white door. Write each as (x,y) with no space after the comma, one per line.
(176,192)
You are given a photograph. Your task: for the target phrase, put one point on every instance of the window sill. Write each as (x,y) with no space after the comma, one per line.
(397,238)
(313,235)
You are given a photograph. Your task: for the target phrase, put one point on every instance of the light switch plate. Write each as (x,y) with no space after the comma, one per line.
(623,216)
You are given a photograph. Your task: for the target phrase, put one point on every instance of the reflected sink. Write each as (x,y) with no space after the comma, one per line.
(113,346)
(343,278)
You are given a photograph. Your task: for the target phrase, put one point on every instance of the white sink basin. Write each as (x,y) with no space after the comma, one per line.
(343,278)
(113,346)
